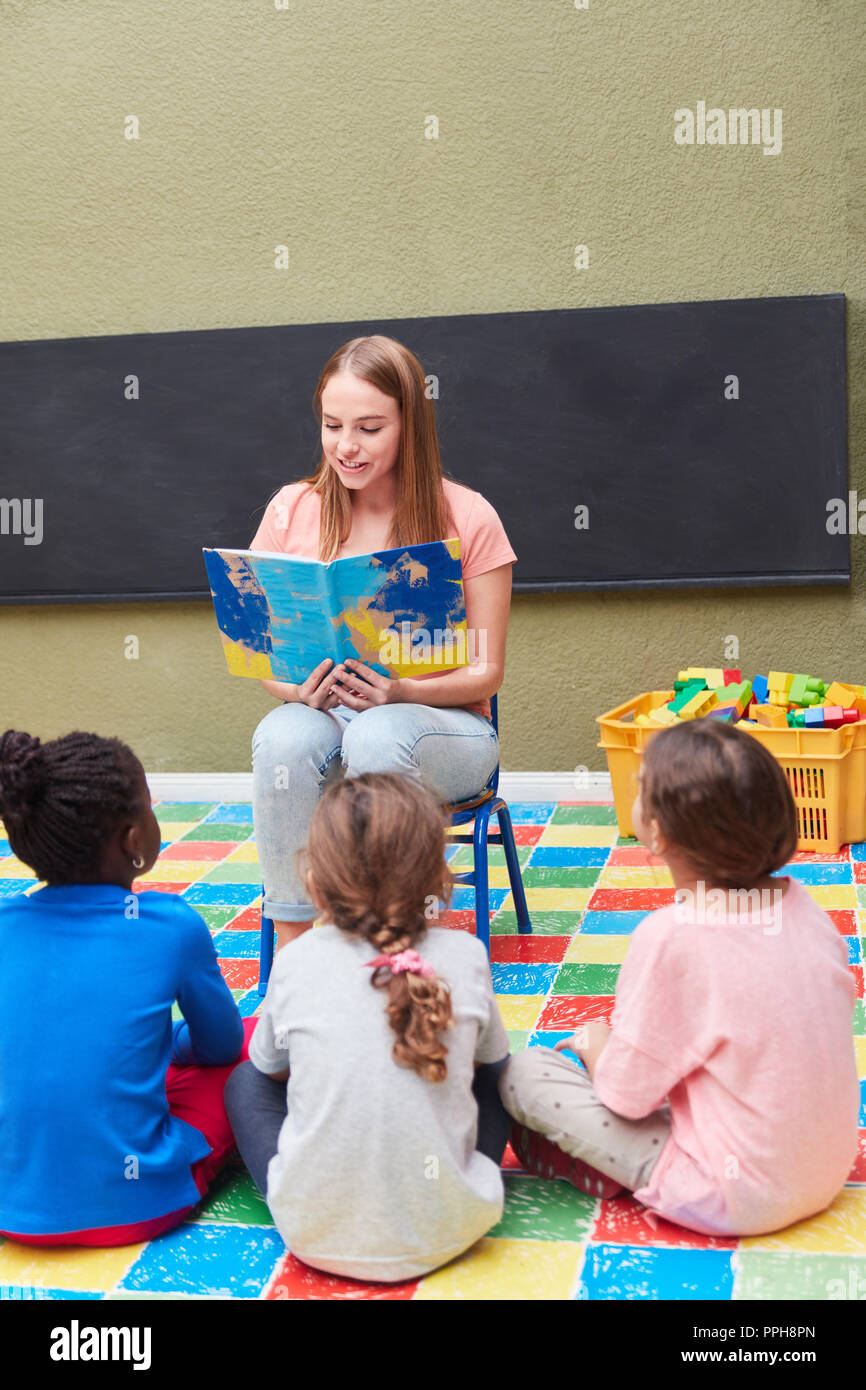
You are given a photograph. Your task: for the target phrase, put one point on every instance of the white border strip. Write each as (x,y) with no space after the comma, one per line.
(514,786)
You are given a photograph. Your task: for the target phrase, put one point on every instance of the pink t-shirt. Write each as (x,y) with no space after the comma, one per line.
(291,525)
(746,1029)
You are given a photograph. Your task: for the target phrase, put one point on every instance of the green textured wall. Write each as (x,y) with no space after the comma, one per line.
(305,126)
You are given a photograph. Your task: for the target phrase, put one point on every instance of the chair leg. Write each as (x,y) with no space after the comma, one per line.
(482,893)
(266,951)
(515,878)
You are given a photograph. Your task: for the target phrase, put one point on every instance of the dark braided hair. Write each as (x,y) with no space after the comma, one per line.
(61,800)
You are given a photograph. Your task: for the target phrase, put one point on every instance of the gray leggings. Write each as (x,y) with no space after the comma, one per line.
(256,1107)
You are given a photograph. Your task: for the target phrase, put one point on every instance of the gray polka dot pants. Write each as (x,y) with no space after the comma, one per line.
(550,1094)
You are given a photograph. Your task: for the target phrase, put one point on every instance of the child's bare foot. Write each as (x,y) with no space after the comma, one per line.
(548,1160)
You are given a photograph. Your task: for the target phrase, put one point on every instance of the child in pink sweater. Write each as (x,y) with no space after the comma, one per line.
(725,1093)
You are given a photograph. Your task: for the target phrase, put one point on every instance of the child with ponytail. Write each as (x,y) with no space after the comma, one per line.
(112,1123)
(368,1112)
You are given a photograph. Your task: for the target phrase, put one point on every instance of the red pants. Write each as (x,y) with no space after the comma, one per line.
(195,1094)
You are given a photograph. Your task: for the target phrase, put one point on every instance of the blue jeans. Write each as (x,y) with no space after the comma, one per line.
(297,750)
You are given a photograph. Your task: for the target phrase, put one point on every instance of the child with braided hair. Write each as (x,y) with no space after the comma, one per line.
(368,1113)
(112,1123)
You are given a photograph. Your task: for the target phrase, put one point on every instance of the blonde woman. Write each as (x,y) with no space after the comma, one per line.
(379,484)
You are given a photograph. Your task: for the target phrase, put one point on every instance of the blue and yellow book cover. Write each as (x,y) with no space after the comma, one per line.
(401,611)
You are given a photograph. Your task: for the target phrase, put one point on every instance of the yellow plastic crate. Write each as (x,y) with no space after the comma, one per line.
(825,768)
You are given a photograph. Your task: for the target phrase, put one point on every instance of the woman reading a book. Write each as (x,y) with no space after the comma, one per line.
(379,485)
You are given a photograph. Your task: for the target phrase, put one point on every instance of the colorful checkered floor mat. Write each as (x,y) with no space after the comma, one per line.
(587,889)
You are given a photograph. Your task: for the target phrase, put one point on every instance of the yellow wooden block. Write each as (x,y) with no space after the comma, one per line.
(516,1270)
(780,680)
(777,697)
(643,720)
(553,900)
(833,895)
(714,676)
(641,876)
(699,705)
(771,716)
(245,853)
(840,1230)
(595,949)
(66,1267)
(520,1011)
(579,835)
(696,673)
(839,694)
(682,675)
(662,715)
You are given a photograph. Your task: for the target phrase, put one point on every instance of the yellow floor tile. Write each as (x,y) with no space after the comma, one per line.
(860,1050)
(835,895)
(553,899)
(841,1230)
(598,950)
(173,830)
(245,853)
(520,1011)
(581,835)
(13,868)
(66,1268)
(177,871)
(640,876)
(507,1269)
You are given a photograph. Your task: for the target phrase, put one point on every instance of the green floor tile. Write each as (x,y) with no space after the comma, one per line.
(543,923)
(561,876)
(626,842)
(577,978)
(536,1209)
(217,917)
(584,815)
(215,830)
(465,859)
(762,1274)
(235,1202)
(517,1038)
(183,814)
(859,1017)
(233,873)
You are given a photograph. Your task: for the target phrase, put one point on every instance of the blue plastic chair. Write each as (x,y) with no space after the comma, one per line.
(479,809)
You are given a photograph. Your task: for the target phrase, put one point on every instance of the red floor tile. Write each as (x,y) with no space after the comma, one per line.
(295,1280)
(567,1010)
(634,855)
(857,972)
(623,1221)
(844,919)
(240,974)
(528,834)
(858,1172)
(248,920)
(199,849)
(141,885)
(527,950)
(630,899)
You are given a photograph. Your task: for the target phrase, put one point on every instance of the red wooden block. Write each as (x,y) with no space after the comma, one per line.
(732,677)
(623,1221)
(568,1010)
(240,974)
(510,1161)
(294,1280)
(527,950)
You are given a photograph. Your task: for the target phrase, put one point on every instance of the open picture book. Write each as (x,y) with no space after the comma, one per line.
(401,611)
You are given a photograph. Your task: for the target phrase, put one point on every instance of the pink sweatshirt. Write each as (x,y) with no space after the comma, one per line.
(291,525)
(746,1029)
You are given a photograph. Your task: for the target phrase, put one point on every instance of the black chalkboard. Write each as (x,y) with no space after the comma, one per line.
(620,410)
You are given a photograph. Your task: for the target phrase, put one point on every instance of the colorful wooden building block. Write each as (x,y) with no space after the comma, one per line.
(771,716)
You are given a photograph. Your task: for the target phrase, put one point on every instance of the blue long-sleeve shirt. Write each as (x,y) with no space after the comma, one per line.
(86,1037)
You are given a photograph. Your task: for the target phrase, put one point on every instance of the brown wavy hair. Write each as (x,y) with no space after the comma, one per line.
(422,513)
(376,852)
(722,799)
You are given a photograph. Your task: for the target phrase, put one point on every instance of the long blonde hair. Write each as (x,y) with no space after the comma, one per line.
(376,851)
(422,512)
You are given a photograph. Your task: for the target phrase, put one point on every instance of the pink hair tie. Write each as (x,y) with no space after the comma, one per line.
(404,960)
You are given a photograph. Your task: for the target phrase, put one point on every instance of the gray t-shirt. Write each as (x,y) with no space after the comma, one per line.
(376,1175)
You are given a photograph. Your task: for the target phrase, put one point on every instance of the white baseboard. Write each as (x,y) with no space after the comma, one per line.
(514,786)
